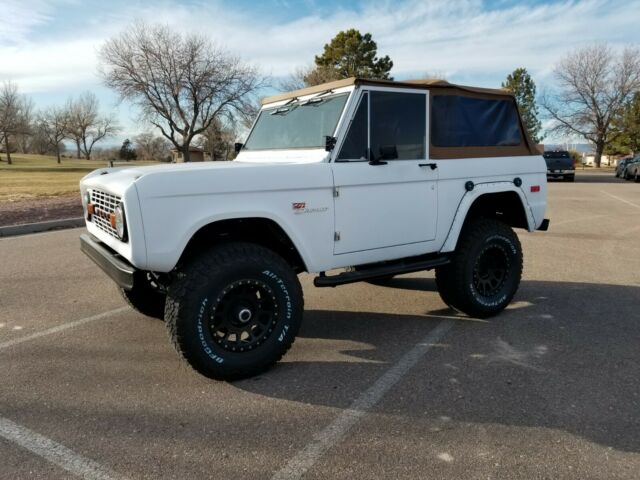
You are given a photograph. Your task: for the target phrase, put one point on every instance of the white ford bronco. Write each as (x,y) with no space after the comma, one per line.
(351,180)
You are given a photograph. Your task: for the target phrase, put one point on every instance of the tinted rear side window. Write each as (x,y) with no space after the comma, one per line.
(459,121)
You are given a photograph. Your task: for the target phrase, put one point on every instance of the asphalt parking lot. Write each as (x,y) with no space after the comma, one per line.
(383,382)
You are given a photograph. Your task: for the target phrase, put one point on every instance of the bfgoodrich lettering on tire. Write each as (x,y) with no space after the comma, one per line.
(485,270)
(234,311)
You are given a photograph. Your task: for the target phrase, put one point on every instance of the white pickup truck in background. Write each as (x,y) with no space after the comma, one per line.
(376,178)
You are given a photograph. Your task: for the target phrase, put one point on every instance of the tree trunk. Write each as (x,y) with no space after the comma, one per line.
(78,148)
(58,152)
(598,157)
(185,154)
(6,145)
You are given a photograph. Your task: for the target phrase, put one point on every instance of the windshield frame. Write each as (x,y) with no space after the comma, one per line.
(299,102)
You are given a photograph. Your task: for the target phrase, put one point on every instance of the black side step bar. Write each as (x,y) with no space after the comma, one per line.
(376,272)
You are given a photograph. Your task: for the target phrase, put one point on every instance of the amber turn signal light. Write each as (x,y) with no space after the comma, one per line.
(112,220)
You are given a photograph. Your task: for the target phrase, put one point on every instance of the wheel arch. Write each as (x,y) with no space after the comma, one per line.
(258,230)
(503,201)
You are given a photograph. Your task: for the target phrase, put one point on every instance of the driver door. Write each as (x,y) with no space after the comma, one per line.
(385,186)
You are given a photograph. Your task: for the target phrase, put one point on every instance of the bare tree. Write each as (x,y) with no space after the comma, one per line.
(595,84)
(151,147)
(15,115)
(181,83)
(54,123)
(85,125)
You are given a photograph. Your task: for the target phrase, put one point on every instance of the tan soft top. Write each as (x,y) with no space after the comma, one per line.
(426,84)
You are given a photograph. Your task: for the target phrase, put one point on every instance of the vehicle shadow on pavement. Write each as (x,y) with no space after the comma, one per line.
(563,356)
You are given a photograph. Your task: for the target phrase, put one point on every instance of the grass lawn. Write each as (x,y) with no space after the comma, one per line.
(40,176)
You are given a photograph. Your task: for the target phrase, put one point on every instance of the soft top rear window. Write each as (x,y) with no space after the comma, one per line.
(460,121)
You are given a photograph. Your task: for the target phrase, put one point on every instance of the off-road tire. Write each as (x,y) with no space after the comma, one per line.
(570,178)
(205,301)
(144,297)
(636,178)
(485,247)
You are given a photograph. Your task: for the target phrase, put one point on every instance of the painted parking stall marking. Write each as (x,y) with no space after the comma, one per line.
(337,430)
(54,452)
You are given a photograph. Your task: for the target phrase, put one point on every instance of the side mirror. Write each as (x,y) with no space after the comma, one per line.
(329,143)
(238,146)
(388,152)
(373,160)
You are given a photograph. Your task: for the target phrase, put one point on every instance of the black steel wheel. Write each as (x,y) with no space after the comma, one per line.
(243,315)
(485,269)
(490,270)
(234,310)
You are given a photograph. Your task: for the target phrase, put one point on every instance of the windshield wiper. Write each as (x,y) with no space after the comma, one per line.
(317,98)
(280,111)
(312,101)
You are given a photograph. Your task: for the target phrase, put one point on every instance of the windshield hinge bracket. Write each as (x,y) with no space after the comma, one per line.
(336,236)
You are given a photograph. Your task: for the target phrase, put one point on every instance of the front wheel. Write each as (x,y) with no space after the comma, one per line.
(234,311)
(485,270)
(145,296)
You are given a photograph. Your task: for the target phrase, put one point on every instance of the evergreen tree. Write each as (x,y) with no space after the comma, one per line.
(127,152)
(626,128)
(351,54)
(524,89)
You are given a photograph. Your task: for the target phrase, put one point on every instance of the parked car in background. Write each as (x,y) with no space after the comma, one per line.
(560,164)
(632,169)
(621,166)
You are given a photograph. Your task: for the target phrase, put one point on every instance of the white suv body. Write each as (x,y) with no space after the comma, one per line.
(401,173)
(383,213)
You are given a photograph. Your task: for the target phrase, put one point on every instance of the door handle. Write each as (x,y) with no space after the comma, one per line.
(432,165)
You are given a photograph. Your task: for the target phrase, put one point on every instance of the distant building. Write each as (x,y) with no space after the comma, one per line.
(196,154)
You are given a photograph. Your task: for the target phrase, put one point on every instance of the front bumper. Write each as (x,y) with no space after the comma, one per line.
(111,263)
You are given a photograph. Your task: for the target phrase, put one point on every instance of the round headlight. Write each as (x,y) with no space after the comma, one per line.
(121,224)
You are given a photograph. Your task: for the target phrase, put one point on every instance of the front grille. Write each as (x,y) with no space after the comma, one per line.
(104,205)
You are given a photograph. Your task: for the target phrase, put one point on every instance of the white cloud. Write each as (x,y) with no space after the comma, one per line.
(19,18)
(458,37)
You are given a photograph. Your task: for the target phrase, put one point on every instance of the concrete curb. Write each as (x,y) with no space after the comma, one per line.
(13,230)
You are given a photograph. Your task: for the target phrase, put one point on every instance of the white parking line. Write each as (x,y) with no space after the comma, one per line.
(60,328)
(334,433)
(621,199)
(54,452)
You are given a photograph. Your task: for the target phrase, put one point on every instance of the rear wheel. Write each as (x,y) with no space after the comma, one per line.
(234,311)
(145,296)
(569,178)
(485,270)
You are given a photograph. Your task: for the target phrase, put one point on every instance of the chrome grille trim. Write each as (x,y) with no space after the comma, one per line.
(106,204)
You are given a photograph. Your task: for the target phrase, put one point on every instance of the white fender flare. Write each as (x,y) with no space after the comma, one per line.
(471,196)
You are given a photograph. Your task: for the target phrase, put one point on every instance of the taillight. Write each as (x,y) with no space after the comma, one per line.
(535,188)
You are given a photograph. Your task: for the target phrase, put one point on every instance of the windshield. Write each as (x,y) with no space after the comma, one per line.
(301,124)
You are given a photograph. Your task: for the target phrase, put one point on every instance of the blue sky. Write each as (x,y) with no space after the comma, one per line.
(48,47)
